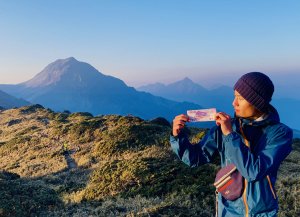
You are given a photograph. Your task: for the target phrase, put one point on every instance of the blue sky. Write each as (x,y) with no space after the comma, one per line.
(146,41)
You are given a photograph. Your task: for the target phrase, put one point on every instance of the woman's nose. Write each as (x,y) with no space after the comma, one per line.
(234,102)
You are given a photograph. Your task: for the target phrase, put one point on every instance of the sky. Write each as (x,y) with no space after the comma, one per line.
(147,41)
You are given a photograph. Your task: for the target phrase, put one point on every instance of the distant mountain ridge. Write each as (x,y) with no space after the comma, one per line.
(68,84)
(7,101)
(187,90)
(175,90)
(220,98)
(296,134)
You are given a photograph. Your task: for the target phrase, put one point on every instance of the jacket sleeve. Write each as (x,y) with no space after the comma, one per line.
(254,167)
(194,154)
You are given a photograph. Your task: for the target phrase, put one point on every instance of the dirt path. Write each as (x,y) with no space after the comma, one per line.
(70,161)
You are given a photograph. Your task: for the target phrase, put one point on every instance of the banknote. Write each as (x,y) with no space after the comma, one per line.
(202,115)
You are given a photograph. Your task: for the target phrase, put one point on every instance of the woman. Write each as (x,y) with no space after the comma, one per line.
(254,141)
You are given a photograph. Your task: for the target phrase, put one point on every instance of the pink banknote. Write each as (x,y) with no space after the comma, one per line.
(202,115)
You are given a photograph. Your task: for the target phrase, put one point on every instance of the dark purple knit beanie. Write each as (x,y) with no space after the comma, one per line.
(257,89)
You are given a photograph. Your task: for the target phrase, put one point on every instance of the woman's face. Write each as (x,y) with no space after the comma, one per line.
(243,108)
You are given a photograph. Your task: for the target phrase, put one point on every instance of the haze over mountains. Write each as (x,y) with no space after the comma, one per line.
(221,98)
(68,84)
(7,101)
(187,90)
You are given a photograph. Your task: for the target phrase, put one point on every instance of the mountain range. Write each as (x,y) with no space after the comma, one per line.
(7,101)
(68,84)
(221,98)
(187,90)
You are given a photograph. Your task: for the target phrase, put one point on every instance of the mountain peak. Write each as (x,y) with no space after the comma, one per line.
(65,71)
(185,82)
(70,58)
(187,79)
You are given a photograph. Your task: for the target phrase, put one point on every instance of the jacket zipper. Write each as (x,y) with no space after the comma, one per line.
(271,187)
(246,182)
(245,199)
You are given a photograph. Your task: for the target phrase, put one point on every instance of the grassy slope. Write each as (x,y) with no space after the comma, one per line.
(124,168)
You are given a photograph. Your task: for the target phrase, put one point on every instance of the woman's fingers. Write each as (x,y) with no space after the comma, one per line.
(222,116)
(181,117)
(178,123)
(224,120)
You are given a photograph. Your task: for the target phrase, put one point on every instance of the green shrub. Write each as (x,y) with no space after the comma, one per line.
(61,117)
(288,190)
(26,198)
(126,168)
(5,175)
(83,131)
(30,129)
(130,137)
(149,177)
(31,109)
(15,141)
(81,114)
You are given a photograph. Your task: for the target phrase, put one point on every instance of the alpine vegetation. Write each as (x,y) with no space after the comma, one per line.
(77,164)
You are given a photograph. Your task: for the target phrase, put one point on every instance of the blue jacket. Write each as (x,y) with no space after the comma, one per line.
(270,143)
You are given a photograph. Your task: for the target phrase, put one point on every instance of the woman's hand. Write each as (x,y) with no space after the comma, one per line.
(224,120)
(178,123)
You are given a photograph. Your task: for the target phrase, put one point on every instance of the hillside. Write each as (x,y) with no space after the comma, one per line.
(62,164)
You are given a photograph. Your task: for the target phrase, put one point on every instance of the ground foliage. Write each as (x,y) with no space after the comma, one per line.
(124,167)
